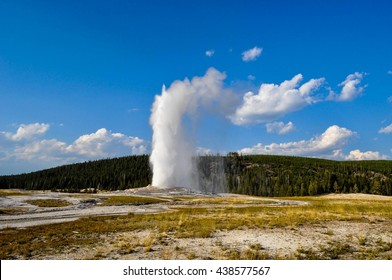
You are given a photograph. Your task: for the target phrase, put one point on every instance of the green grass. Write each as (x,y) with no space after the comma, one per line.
(130,200)
(49,202)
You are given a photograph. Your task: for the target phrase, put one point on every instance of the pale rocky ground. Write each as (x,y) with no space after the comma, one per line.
(84,205)
(280,243)
(147,244)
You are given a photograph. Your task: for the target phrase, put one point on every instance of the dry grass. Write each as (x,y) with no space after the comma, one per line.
(226,201)
(130,200)
(11,211)
(49,202)
(12,193)
(203,222)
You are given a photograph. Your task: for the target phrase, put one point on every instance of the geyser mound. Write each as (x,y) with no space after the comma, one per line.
(173,158)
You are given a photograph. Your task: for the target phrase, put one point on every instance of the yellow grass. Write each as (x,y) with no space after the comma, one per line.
(49,202)
(130,200)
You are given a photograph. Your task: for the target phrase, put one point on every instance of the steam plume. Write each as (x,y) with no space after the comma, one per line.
(172,146)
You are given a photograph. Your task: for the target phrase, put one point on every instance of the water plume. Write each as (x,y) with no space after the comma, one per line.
(173,150)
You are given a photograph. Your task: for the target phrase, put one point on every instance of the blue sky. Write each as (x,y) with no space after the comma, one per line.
(78,78)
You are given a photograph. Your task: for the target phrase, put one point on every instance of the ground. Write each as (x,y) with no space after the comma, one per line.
(152,223)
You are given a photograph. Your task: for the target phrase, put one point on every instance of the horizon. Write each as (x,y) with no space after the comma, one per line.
(78,80)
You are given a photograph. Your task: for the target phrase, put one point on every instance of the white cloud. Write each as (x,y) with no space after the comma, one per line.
(326,145)
(51,152)
(386,130)
(251,77)
(280,127)
(351,88)
(104,143)
(43,150)
(369,155)
(28,131)
(210,53)
(274,101)
(251,54)
(389,72)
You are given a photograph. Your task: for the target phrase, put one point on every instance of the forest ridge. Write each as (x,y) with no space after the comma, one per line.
(261,175)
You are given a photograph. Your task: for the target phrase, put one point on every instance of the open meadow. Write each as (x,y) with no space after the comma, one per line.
(149,223)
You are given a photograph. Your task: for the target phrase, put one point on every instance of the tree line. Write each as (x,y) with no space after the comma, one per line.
(297,176)
(260,175)
(107,174)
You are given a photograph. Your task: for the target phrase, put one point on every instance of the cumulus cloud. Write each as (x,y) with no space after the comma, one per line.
(104,143)
(280,127)
(27,131)
(251,54)
(42,152)
(369,155)
(351,88)
(210,53)
(274,101)
(328,145)
(386,130)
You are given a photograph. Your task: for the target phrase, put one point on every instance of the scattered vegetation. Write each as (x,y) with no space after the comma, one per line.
(164,229)
(362,240)
(251,254)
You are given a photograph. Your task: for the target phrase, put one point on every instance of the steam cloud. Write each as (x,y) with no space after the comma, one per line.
(172,156)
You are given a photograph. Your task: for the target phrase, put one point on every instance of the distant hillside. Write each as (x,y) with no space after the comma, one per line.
(292,176)
(107,174)
(254,175)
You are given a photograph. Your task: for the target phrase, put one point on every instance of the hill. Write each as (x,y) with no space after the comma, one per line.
(293,176)
(107,174)
(259,175)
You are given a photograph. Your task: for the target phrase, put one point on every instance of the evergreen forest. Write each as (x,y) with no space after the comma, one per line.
(260,175)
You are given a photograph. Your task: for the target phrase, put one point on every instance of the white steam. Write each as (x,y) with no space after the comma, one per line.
(172,148)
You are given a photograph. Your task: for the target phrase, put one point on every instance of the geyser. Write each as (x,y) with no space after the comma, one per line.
(173,150)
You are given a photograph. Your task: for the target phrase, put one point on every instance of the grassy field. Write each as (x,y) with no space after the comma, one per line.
(130,200)
(4,193)
(48,202)
(177,234)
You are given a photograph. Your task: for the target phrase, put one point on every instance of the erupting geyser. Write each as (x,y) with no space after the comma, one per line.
(172,146)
